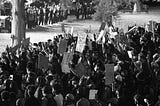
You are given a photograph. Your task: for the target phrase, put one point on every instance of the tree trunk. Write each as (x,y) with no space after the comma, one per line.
(18,23)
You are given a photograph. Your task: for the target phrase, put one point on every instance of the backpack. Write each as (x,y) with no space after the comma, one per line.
(51,102)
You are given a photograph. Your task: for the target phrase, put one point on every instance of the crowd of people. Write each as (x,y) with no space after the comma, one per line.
(136,77)
(50,14)
(44,15)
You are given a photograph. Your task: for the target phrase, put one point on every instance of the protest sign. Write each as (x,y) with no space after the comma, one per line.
(80,47)
(102,27)
(113,35)
(82,69)
(67,56)
(15,48)
(100,35)
(129,54)
(63,28)
(62,46)
(103,39)
(81,42)
(132,29)
(72,30)
(25,42)
(42,61)
(92,94)
(90,36)
(90,44)
(151,26)
(109,74)
(67,30)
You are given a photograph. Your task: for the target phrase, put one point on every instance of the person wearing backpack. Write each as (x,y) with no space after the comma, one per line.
(48,99)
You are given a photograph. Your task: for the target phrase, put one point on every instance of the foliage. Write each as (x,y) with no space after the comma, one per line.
(5,7)
(67,3)
(105,11)
(125,4)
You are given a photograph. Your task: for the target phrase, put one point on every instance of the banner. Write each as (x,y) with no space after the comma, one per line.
(81,42)
(82,69)
(62,46)
(42,61)
(67,57)
(109,74)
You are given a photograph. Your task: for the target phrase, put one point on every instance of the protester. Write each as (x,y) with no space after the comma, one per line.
(31,100)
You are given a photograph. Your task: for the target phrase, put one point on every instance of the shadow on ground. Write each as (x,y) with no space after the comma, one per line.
(52,28)
(40,29)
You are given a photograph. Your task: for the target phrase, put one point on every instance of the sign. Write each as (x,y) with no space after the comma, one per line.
(82,69)
(90,44)
(92,94)
(15,48)
(129,54)
(42,61)
(66,59)
(63,28)
(100,35)
(113,35)
(62,46)
(132,29)
(109,74)
(67,30)
(102,27)
(25,42)
(151,26)
(91,36)
(81,42)
(72,29)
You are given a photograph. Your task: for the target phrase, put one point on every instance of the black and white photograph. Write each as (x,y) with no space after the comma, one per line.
(79,52)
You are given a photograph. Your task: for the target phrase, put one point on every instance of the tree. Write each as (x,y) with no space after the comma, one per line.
(18,23)
(106,9)
(5,6)
(67,3)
